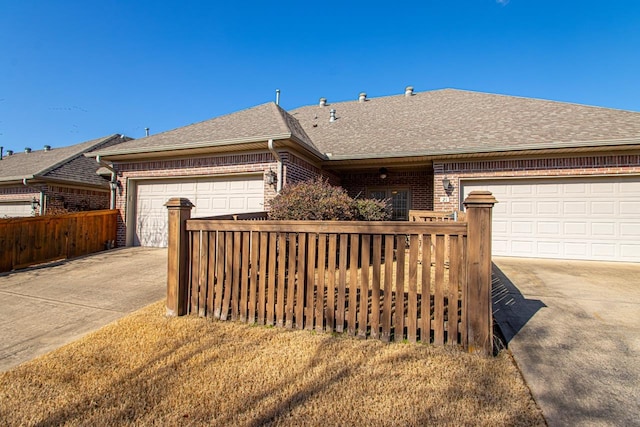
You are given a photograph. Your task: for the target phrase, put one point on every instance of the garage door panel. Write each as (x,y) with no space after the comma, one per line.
(630,208)
(546,208)
(548,248)
(603,208)
(522,208)
(573,218)
(548,227)
(211,196)
(574,249)
(606,229)
(575,228)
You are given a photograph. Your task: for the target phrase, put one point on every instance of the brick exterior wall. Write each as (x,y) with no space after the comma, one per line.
(76,199)
(597,165)
(58,196)
(419,183)
(294,169)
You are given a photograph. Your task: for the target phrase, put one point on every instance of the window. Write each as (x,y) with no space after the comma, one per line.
(400,200)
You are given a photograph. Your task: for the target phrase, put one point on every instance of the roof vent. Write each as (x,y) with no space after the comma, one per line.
(362,97)
(27,150)
(323,102)
(47,148)
(146,131)
(9,152)
(332,115)
(408,91)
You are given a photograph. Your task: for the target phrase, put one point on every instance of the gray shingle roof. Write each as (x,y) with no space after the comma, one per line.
(457,121)
(260,123)
(446,121)
(65,163)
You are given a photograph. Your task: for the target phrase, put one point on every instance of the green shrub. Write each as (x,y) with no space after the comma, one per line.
(318,200)
(373,210)
(312,200)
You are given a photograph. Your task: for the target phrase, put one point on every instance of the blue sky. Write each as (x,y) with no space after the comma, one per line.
(77,70)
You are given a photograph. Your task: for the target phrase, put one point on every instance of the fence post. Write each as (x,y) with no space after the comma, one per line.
(478,290)
(177,262)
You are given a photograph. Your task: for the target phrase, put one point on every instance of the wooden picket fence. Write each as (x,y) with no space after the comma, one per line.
(414,281)
(35,240)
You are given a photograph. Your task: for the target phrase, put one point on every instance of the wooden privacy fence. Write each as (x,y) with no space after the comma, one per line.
(414,281)
(34,240)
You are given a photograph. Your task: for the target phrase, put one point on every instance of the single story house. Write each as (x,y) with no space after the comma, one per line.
(37,182)
(566,176)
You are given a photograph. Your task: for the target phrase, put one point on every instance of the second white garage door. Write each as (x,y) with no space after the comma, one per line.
(15,209)
(572,218)
(211,196)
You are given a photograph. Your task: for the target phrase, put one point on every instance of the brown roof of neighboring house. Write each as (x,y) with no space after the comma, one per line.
(257,124)
(60,164)
(438,122)
(457,121)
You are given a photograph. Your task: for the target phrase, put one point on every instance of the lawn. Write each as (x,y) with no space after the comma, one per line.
(147,369)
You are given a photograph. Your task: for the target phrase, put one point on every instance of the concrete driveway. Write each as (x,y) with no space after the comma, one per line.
(44,308)
(574,329)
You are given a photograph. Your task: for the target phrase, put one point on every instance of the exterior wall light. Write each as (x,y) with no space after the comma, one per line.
(383,173)
(271,178)
(446,184)
(35,204)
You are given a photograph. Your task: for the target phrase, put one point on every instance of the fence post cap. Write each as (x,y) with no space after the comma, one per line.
(480,198)
(179,202)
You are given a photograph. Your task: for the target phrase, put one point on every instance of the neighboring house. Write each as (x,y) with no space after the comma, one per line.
(567,176)
(54,179)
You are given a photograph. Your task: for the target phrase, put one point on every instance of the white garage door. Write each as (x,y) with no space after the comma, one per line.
(15,209)
(572,218)
(211,196)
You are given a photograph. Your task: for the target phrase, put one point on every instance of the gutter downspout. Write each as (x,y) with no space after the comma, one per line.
(113,184)
(280,167)
(42,198)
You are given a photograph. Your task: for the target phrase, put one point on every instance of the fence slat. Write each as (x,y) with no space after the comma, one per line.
(244,281)
(388,284)
(342,283)
(195,271)
(204,273)
(220,261)
(454,288)
(282,275)
(331,284)
(253,281)
(235,278)
(300,285)
(398,331)
(375,286)
(310,280)
(211,279)
(353,285)
(412,310)
(364,285)
(262,276)
(228,275)
(291,280)
(425,315)
(438,300)
(322,260)
(271,283)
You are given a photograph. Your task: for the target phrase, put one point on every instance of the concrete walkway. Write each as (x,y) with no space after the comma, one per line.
(574,329)
(44,308)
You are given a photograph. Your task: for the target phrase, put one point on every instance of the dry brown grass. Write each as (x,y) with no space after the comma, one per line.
(147,369)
